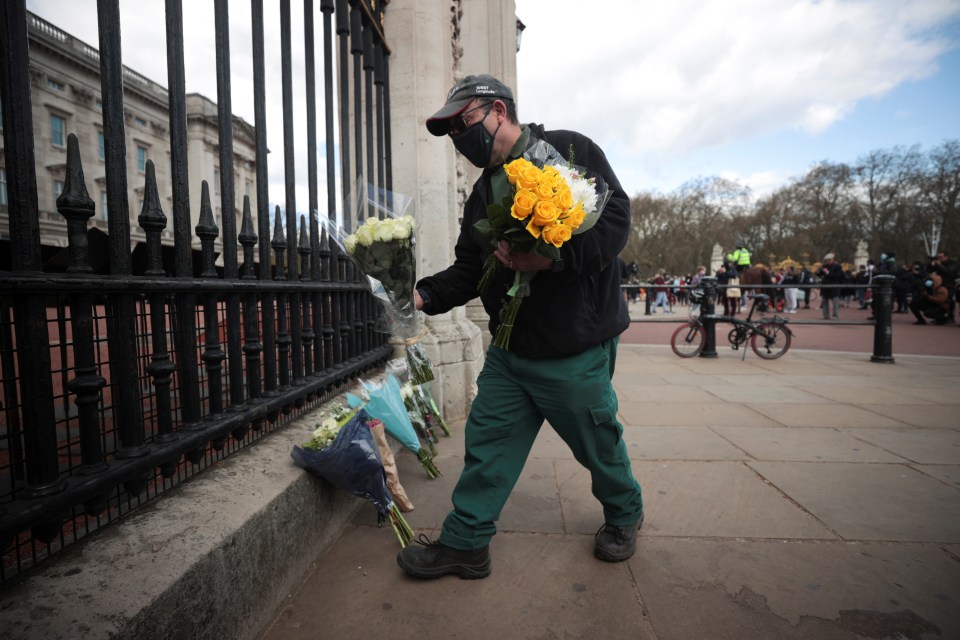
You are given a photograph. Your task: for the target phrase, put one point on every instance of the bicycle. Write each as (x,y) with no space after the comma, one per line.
(769,338)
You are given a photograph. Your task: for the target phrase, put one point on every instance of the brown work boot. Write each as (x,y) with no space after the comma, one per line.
(431,560)
(616,544)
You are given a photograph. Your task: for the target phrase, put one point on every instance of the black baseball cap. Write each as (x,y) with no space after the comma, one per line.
(471,87)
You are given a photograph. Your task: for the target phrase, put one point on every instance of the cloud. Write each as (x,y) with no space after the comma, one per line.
(674,78)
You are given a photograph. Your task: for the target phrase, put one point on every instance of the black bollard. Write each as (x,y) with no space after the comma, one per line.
(707,309)
(883,318)
(646,309)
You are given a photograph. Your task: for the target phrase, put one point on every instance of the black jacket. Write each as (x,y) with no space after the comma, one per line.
(568,310)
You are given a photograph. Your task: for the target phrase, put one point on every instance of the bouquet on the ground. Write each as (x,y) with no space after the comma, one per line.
(551,201)
(347,456)
(385,403)
(422,424)
(382,246)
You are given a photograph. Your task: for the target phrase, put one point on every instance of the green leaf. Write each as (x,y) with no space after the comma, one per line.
(548,250)
(483,227)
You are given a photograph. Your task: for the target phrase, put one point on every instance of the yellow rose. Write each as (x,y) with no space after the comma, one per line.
(575,219)
(545,212)
(563,198)
(528,177)
(533,229)
(544,188)
(556,234)
(513,170)
(523,203)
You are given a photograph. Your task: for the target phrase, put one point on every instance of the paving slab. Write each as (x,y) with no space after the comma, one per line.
(812,445)
(679,443)
(922,415)
(947,473)
(938,395)
(870,501)
(665,393)
(699,414)
(741,393)
(726,589)
(863,396)
(820,415)
(715,499)
(925,446)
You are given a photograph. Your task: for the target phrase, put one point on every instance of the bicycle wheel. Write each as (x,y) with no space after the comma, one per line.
(688,339)
(771,340)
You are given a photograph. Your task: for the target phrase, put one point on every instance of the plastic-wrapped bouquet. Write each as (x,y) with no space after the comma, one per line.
(383,248)
(350,460)
(551,201)
(385,402)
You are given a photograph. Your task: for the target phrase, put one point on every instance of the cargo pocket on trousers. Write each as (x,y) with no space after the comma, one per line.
(607,431)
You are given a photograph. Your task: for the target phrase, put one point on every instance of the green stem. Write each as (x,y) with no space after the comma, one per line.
(488,268)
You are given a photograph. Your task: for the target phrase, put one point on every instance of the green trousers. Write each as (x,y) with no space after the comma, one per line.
(515,395)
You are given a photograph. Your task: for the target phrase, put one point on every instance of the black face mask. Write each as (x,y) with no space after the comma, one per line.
(475,143)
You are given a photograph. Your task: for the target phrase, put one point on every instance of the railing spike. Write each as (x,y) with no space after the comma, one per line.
(206,225)
(248,233)
(151,215)
(75,196)
(279,241)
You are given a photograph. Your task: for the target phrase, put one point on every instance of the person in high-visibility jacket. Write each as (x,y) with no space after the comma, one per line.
(740,256)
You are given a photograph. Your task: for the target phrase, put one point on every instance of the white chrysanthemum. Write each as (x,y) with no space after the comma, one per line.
(583,191)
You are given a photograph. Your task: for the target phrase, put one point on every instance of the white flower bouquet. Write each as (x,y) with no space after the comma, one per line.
(382,246)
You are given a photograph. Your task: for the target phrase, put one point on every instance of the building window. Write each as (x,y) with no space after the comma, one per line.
(102,146)
(3,187)
(141,159)
(103,205)
(216,181)
(57,190)
(56,85)
(140,122)
(99,104)
(58,130)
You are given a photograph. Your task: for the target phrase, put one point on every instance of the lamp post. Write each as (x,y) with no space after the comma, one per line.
(520,28)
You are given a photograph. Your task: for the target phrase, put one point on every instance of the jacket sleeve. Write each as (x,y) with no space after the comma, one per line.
(457,284)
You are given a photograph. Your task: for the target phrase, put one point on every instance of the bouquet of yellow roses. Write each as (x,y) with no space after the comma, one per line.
(552,200)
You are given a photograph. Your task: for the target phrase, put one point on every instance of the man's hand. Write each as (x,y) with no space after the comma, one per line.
(417,300)
(531,261)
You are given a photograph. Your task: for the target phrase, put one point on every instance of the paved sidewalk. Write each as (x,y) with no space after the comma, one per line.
(816,496)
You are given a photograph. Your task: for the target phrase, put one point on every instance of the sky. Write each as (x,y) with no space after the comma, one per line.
(756,91)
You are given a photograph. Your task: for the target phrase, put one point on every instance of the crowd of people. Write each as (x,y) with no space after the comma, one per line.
(927,289)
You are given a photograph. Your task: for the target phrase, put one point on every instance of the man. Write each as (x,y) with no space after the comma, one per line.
(931,301)
(949,272)
(562,348)
(806,279)
(740,257)
(830,273)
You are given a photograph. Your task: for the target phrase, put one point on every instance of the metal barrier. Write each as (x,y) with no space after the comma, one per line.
(116,387)
(881,303)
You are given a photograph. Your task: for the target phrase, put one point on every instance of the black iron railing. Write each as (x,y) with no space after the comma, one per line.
(115,387)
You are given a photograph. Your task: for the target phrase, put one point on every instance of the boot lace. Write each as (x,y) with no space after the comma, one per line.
(619,533)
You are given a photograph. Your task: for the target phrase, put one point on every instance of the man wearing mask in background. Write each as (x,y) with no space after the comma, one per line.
(831,273)
(562,349)
(931,301)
